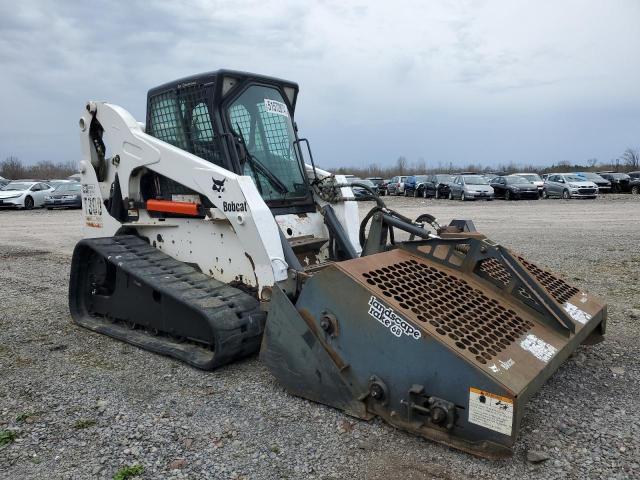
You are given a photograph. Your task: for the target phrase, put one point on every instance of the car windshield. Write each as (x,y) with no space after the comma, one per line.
(475,180)
(360,180)
(591,176)
(620,176)
(574,178)
(68,187)
(261,117)
(444,178)
(18,186)
(516,180)
(532,177)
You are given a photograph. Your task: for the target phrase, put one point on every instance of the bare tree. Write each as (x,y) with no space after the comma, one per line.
(401,165)
(631,157)
(592,162)
(12,168)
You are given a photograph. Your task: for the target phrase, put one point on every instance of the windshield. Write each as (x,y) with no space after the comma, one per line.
(620,176)
(574,178)
(475,180)
(591,176)
(532,177)
(18,186)
(261,117)
(514,180)
(68,187)
(444,178)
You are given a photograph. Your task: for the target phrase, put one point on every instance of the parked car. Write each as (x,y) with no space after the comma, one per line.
(569,185)
(533,178)
(75,177)
(414,185)
(635,182)
(3,182)
(360,192)
(470,187)
(396,185)
(380,183)
(437,186)
(24,194)
(604,185)
(620,182)
(514,187)
(65,195)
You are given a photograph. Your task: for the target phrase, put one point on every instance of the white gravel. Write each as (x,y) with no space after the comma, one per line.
(83,405)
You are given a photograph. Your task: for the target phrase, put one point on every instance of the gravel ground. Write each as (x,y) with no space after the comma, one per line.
(83,406)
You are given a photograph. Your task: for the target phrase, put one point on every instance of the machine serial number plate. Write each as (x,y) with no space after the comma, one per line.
(490,411)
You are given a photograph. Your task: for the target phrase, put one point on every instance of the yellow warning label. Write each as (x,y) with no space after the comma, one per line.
(491,411)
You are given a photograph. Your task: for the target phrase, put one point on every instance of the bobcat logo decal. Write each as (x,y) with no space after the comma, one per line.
(218,185)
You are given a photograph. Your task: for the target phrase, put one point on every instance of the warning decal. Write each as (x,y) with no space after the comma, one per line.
(577,314)
(538,347)
(490,411)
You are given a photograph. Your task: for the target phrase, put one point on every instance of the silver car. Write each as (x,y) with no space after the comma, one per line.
(568,185)
(470,187)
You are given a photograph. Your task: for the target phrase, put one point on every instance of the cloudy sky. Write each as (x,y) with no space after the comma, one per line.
(447,81)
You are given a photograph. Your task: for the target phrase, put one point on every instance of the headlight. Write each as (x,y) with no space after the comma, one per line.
(47,197)
(69,197)
(13,196)
(516,189)
(573,185)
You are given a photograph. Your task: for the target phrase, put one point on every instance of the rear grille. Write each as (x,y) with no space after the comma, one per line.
(560,290)
(449,307)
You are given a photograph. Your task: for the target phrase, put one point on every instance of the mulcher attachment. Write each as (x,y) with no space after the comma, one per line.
(125,288)
(447,338)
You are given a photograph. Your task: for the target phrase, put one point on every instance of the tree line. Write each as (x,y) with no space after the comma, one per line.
(12,168)
(627,162)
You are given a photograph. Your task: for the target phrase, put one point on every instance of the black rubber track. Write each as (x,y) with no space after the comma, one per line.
(125,288)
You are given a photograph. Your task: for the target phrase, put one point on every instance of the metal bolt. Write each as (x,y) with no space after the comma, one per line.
(325,324)
(438,415)
(377,392)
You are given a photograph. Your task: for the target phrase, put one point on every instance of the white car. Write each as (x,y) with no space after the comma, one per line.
(24,194)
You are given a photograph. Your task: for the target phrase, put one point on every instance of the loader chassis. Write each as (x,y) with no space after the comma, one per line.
(208,238)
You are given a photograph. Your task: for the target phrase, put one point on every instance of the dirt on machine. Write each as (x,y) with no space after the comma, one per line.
(210,235)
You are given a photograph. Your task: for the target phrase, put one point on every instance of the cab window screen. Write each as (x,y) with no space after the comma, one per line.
(182,118)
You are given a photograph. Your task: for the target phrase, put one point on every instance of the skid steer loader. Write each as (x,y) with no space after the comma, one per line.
(211,235)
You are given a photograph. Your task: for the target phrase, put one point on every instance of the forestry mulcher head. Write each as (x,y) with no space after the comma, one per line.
(447,338)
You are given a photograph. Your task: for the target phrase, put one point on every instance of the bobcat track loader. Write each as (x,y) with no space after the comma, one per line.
(208,237)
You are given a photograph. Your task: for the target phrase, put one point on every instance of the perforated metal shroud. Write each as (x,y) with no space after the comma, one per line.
(483,312)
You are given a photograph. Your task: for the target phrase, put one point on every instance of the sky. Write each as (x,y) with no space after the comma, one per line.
(485,82)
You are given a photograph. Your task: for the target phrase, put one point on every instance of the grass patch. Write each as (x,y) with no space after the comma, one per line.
(23,416)
(7,437)
(84,423)
(128,472)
